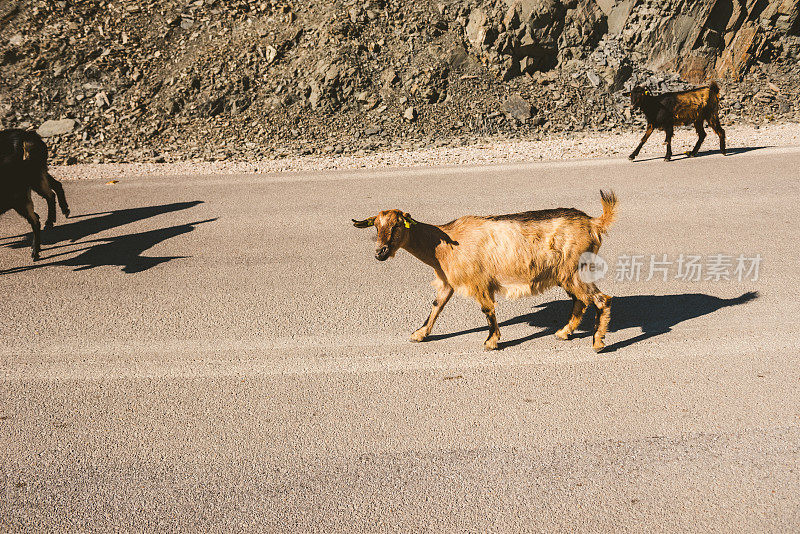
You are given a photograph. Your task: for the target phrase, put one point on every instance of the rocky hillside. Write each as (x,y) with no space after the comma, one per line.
(169,80)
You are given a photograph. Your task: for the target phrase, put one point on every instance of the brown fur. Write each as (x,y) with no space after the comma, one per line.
(695,105)
(514,255)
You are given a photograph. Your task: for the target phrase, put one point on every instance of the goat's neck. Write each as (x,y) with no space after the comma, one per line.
(422,242)
(649,106)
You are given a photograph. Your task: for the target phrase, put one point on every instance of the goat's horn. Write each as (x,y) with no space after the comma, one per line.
(365,223)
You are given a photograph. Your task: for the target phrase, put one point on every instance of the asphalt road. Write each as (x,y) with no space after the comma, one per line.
(225,354)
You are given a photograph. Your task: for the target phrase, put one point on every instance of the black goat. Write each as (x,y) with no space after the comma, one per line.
(667,110)
(23,168)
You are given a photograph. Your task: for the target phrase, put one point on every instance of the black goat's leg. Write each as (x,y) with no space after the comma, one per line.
(56,186)
(44,191)
(27,213)
(717,127)
(645,137)
(701,134)
(668,141)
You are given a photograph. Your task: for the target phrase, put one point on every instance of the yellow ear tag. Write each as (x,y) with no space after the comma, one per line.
(408,224)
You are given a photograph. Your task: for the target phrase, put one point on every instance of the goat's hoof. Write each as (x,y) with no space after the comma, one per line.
(490,344)
(690,154)
(35,257)
(599,347)
(668,159)
(66,213)
(632,157)
(562,335)
(418,336)
(48,225)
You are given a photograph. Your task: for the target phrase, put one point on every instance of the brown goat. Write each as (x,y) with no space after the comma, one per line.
(667,110)
(516,255)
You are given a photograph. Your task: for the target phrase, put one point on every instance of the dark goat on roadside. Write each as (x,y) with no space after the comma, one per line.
(23,168)
(667,110)
(515,255)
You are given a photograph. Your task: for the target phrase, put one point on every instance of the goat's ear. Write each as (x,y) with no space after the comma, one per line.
(365,223)
(408,221)
(27,150)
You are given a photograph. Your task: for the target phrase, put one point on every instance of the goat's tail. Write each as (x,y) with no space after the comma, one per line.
(603,222)
(713,94)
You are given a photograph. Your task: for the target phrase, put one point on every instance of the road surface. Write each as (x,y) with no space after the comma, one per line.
(223,353)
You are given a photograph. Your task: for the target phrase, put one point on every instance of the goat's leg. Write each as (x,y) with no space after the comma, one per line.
(56,186)
(27,213)
(603,303)
(443,295)
(668,141)
(487,307)
(578,308)
(701,134)
(645,137)
(713,121)
(42,187)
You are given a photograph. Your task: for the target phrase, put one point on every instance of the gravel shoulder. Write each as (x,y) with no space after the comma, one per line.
(479,151)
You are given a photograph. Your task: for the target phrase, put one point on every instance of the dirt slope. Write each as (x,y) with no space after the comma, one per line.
(211,80)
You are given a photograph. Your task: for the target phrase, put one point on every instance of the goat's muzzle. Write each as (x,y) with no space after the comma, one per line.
(382,253)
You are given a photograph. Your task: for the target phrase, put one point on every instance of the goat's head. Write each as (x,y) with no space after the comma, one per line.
(394,228)
(638,95)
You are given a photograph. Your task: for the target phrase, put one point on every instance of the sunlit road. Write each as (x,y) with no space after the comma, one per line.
(225,354)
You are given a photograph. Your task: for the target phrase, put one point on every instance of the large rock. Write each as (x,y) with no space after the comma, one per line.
(584,26)
(534,35)
(389,76)
(476,27)
(698,39)
(517,108)
(536,25)
(703,39)
(52,128)
(618,15)
(606,5)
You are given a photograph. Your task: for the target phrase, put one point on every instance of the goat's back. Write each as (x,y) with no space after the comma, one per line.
(517,254)
(697,104)
(684,108)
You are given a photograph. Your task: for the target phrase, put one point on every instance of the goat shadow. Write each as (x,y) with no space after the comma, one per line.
(124,250)
(652,314)
(730,152)
(75,230)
